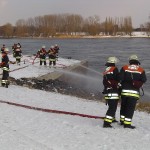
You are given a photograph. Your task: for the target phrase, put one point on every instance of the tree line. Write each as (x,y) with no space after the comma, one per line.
(55,25)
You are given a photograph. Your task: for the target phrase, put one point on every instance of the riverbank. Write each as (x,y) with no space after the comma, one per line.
(82,37)
(86,37)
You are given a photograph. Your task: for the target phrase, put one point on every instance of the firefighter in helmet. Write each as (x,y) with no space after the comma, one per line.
(52,56)
(42,55)
(18,54)
(4,64)
(111,90)
(132,77)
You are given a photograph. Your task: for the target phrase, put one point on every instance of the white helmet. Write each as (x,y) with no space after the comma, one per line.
(52,47)
(133,57)
(6,50)
(43,46)
(112,60)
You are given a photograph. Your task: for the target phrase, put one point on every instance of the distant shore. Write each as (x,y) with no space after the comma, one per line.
(76,37)
(91,37)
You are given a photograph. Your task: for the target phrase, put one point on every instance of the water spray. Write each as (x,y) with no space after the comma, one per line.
(78,75)
(90,83)
(92,70)
(148,72)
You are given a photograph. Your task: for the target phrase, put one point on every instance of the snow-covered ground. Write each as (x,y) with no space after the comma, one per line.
(139,34)
(30,66)
(27,129)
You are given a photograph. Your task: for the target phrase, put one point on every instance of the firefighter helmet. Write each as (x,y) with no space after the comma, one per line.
(6,50)
(112,60)
(52,47)
(133,57)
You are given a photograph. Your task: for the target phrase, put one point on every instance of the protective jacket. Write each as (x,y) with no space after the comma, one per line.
(132,78)
(110,82)
(18,54)
(52,54)
(5,62)
(42,55)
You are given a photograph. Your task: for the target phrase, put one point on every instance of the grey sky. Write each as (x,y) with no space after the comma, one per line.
(12,10)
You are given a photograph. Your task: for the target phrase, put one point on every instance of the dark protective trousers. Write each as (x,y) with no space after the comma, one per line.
(5,75)
(128,105)
(112,107)
(43,60)
(52,60)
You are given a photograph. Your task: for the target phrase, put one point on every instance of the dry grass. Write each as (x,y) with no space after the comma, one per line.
(140,106)
(143,106)
(68,36)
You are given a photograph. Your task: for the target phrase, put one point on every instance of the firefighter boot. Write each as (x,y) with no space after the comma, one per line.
(3,84)
(107,125)
(129,126)
(6,85)
(121,123)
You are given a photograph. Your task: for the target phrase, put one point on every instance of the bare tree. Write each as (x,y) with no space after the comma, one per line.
(21,28)
(7,30)
(93,25)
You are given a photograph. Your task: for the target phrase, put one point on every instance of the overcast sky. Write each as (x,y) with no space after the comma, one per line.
(12,10)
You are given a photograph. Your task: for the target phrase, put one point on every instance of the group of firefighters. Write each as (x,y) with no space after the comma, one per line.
(52,53)
(124,84)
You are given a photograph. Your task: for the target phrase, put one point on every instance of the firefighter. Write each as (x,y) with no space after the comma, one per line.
(132,77)
(18,54)
(52,56)
(42,55)
(111,90)
(5,67)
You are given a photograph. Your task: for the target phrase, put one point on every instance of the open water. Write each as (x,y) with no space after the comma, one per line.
(95,51)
